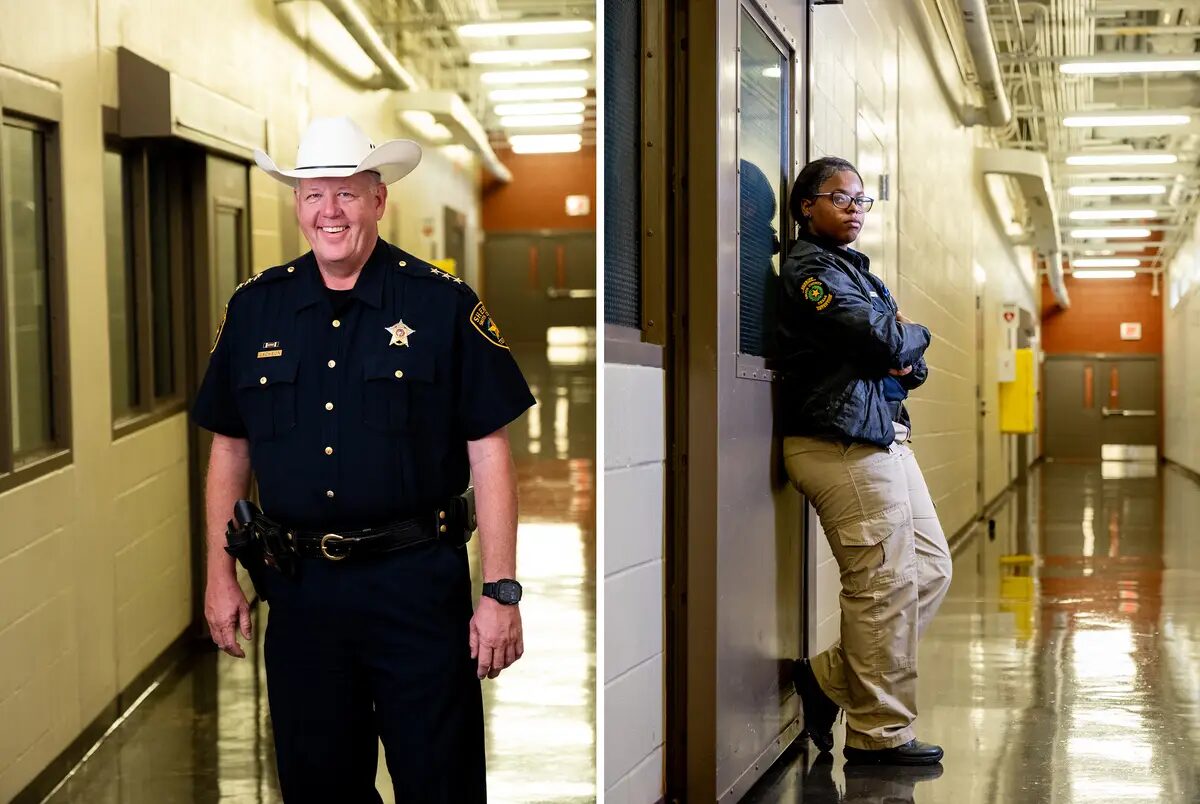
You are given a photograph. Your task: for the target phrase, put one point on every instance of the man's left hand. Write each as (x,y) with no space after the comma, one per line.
(496,639)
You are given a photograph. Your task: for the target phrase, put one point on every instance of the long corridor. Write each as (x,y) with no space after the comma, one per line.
(203,733)
(1062,666)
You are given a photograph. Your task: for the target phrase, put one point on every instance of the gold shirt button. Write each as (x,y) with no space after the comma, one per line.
(328,406)
(291,269)
(442,528)
(399,374)
(403,263)
(329,450)
(332,363)
(329,494)
(336,323)
(262,380)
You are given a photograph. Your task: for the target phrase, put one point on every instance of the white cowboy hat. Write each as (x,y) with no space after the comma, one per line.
(336,146)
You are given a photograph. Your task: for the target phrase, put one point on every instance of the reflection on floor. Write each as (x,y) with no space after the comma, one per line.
(1063,664)
(203,733)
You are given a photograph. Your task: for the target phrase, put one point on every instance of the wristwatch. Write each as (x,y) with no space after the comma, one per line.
(505,591)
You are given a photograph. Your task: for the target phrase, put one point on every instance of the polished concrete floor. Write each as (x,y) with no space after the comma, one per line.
(1064,665)
(203,734)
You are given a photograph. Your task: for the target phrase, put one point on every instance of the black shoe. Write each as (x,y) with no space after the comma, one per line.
(913,752)
(819,711)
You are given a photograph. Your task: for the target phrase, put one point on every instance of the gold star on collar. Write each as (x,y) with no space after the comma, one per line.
(399,332)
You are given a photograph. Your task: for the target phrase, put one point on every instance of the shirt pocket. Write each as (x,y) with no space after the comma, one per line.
(390,384)
(266,397)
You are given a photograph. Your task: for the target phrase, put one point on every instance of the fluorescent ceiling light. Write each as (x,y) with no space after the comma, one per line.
(1123,67)
(1100,252)
(772,72)
(537,28)
(1112,214)
(542,121)
(1117,189)
(1106,262)
(545,143)
(537,94)
(506,109)
(1087,234)
(534,76)
(530,56)
(1122,120)
(1104,274)
(426,125)
(1123,159)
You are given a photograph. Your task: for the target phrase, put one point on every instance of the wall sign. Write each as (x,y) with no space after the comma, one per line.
(578,205)
(1131,331)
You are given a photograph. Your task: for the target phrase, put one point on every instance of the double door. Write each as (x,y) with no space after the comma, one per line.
(1103,407)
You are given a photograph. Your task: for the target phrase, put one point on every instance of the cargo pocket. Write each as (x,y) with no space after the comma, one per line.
(389,387)
(266,395)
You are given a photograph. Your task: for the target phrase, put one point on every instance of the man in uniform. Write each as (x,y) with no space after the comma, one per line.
(364,388)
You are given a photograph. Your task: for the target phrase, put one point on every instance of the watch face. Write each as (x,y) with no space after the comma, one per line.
(508,592)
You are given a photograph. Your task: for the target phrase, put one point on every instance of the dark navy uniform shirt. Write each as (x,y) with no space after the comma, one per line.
(358,417)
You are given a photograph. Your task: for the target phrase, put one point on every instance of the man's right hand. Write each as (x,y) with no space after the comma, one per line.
(903,319)
(227,612)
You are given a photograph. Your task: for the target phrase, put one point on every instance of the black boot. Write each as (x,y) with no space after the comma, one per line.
(913,752)
(819,711)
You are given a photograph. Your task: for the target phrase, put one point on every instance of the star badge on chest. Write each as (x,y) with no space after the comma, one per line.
(399,332)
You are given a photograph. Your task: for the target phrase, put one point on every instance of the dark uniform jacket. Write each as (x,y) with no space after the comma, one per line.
(837,336)
(359,418)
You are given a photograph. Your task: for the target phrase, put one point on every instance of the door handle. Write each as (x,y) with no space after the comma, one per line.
(1120,412)
(570,293)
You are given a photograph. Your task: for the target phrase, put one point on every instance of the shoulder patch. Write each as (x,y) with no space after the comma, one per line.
(486,326)
(814,291)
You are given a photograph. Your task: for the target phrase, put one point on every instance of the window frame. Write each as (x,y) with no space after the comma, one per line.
(151,407)
(35,105)
(748,366)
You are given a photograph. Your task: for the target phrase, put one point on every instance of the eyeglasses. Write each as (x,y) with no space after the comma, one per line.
(843,201)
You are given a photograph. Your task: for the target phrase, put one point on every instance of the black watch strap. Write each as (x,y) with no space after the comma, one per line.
(505,591)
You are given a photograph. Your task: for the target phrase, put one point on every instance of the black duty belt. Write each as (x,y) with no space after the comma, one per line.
(279,545)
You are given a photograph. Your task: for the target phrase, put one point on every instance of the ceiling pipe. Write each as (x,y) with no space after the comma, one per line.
(998,112)
(360,27)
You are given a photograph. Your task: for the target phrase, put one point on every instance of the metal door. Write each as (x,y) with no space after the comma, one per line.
(218,215)
(534,281)
(743,522)
(1102,407)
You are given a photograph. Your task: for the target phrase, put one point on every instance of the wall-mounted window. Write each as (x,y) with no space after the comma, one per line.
(764,155)
(143,208)
(622,165)
(34,409)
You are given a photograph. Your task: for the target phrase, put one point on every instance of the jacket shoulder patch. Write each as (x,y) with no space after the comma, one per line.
(482,321)
(815,291)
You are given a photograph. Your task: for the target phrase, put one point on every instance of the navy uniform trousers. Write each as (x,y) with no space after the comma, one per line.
(375,647)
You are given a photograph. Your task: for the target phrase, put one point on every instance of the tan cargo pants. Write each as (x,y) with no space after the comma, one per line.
(895,569)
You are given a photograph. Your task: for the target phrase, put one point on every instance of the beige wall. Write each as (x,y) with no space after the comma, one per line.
(876,101)
(94,559)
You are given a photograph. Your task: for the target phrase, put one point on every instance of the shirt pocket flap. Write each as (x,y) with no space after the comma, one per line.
(875,528)
(401,365)
(268,372)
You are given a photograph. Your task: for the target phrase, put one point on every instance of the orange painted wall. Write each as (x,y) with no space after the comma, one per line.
(1098,307)
(536,198)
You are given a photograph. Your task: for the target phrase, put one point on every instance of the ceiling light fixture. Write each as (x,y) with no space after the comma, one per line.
(530,56)
(1122,159)
(507,109)
(1117,231)
(1109,66)
(1104,274)
(1110,262)
(1112,214)
(534,76)
(1123,120)
(545,143)
(542,121)
(426,125)
(537,94)
(534,28)
(1117,189)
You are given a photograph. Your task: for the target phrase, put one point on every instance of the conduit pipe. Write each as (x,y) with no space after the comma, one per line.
(997,110)
(360,27)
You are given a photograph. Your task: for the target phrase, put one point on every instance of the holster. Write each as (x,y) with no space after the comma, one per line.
(244,542)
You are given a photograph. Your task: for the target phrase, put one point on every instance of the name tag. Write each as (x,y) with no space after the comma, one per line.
(271,353)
